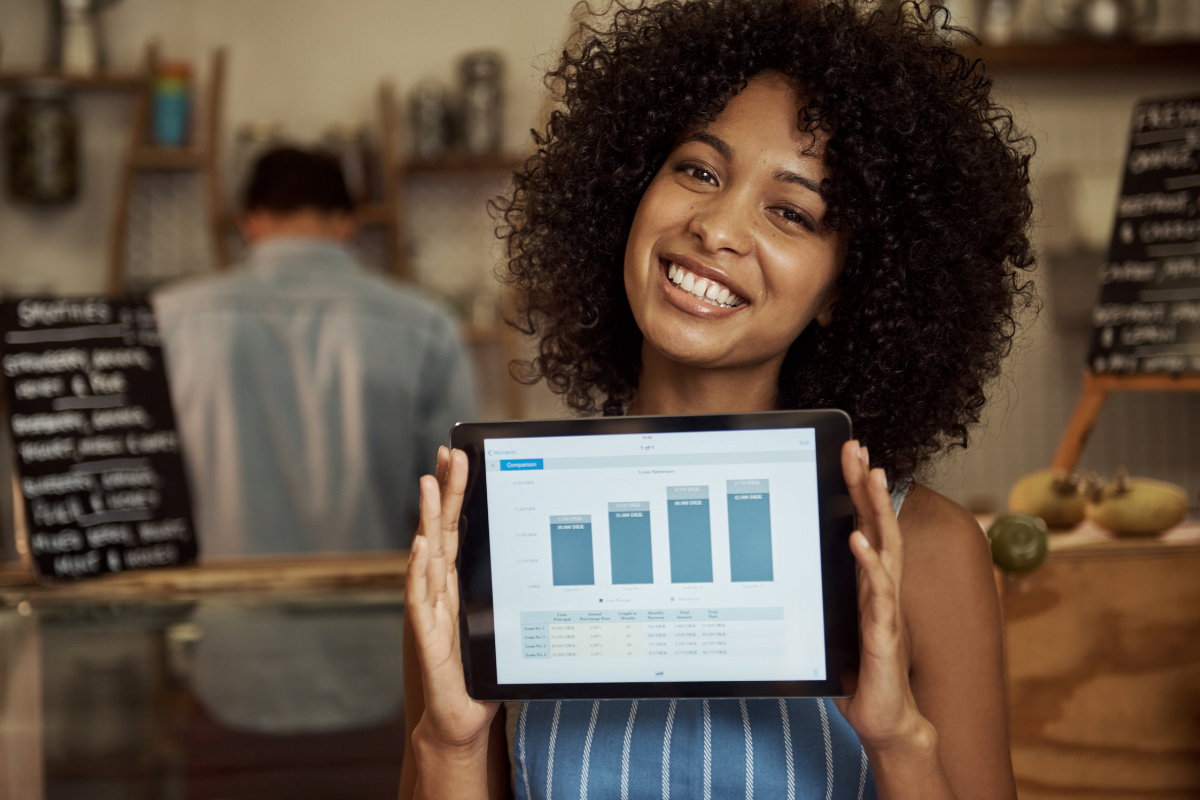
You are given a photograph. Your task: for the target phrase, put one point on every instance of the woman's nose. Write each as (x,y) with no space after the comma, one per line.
(723,222)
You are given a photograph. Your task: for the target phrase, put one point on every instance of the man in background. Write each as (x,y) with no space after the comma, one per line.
(311,395)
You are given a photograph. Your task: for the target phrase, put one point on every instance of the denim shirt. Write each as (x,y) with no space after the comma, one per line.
(311,396)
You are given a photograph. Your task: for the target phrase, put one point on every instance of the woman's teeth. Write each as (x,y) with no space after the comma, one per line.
(710,292)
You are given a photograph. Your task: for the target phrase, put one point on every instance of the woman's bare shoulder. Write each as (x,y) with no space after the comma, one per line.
(948,586)
(941,535)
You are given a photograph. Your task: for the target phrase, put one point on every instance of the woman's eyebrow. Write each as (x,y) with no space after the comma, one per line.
(784,176)
(715,142)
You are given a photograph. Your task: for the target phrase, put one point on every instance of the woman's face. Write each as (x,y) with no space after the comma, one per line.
(728,259)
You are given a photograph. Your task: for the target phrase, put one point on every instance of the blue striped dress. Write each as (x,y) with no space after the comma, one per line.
(798,749)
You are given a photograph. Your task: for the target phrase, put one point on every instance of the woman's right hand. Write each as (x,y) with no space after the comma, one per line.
(453,725)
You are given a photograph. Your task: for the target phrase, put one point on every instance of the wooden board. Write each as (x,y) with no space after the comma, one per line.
(1103,648)
(22,776)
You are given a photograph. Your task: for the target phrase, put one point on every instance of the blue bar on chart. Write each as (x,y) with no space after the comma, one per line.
(629,542)
(690,533)
(571,550)
(749,530)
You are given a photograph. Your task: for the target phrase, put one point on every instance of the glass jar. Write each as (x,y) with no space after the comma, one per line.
(482,102)
(172,98)
(349,144)
(429,112)
(41,136)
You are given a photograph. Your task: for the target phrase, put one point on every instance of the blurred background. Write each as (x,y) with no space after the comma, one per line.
(428,105)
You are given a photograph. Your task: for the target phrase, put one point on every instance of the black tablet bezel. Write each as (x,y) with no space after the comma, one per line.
(836,512)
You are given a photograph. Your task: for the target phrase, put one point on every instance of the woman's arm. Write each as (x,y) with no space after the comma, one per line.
(953,612)
(499,786)
(448,735)
(929,702)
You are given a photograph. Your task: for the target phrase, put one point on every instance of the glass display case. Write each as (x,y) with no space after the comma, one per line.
(251,679)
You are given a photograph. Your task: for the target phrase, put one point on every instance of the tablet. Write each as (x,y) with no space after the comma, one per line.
(658,557)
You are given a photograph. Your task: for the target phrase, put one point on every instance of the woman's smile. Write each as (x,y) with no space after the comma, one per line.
(698,289)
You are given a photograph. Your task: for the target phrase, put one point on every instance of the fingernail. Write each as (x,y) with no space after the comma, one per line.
(866,456)
(880,478)
(857,449)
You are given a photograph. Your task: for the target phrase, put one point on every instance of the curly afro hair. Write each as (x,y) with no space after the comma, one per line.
(928,177)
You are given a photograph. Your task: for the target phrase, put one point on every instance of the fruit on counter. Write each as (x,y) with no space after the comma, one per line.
(1019,542)
(1138,506)
(1051,494)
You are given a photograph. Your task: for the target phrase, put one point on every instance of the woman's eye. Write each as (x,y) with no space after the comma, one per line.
(699,173)
(794,217)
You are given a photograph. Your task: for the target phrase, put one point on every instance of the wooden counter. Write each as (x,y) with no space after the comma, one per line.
(1103,648)
(317,572)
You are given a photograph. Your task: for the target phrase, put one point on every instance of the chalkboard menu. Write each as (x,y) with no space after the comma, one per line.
(1148,316)
(94,437)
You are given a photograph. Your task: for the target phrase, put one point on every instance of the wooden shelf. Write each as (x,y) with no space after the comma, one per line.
(463,162)
(108,81)
(374,214)
(168,158)
(1079,55)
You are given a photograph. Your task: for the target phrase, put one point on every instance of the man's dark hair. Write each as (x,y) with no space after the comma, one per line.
(288,179)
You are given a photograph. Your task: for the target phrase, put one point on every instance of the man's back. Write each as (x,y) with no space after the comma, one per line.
(311,396)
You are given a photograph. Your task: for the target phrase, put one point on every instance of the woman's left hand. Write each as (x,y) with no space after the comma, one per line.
(883,711)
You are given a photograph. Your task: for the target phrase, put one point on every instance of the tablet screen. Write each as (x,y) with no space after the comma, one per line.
(656,557)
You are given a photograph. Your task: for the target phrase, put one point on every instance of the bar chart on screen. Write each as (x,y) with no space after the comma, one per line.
(571,550)
(689,525)
(629,542)
(750,529)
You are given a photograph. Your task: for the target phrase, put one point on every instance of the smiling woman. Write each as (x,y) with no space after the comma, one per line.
(747,205)
(921,176)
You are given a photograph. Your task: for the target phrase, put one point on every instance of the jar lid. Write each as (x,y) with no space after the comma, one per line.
(481,65)
(174,69)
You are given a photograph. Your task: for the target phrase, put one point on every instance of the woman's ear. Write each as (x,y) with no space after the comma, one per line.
(824,315)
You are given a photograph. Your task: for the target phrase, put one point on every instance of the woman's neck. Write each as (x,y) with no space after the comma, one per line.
(669,387)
